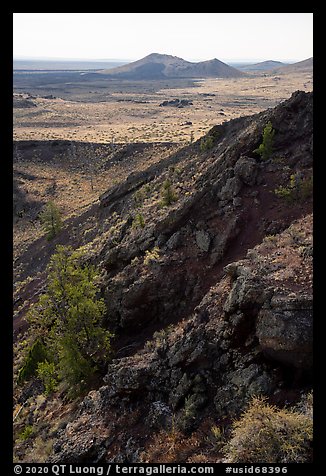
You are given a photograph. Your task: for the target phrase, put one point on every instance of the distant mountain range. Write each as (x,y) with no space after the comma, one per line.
(160,66)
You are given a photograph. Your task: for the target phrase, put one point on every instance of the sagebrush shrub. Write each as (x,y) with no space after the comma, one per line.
(267,434)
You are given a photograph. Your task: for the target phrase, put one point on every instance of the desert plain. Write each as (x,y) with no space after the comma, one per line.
(130,111)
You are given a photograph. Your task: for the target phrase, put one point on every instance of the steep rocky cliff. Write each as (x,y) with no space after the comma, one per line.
(209,295)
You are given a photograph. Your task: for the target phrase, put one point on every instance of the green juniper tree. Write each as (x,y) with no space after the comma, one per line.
(265,149)
(51,219)
(68,319)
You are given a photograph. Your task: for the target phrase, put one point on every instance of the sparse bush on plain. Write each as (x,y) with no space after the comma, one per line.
(267,434)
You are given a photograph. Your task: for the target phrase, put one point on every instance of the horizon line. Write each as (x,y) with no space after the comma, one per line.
(102,60)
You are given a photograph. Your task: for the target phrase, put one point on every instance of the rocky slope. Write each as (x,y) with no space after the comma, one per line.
(210,298)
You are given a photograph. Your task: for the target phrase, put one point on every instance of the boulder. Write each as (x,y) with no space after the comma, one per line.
(231,189)
(174,241)
(203,240)
(247,292)
(246,169)
(240,386)
(176,103)
(159,416)
(285,330)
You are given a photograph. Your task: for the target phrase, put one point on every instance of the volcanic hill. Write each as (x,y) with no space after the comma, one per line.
(300,66)
(160,66)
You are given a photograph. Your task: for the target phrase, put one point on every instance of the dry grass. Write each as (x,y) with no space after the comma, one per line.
(38,422)
(174,447)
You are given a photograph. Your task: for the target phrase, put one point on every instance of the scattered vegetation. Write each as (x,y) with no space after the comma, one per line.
(141,194)
(218,435)
(270,239)
(265,149)
(27,432)
(175,171)
(170,446)
(71,343)
(188,415)
(209,140)
(159,339)
(267,434)
(298,188)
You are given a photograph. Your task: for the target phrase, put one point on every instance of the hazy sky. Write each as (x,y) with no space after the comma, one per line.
(192,36)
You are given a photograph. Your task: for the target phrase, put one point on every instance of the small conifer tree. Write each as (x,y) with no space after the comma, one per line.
(51,219)
(168,194)
(265,149)
(68,317)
